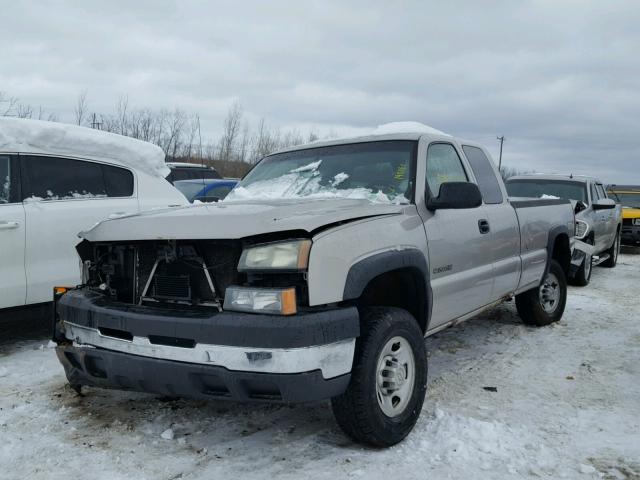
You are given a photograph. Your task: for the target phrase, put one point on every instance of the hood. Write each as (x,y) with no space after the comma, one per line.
(630,212)
(233,220)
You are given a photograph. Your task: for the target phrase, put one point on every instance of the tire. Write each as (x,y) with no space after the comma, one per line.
(583,275)
(387,334)
(613,252)
(536,307)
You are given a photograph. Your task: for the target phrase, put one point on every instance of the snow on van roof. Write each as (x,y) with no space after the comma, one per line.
(36,136)
(406,127)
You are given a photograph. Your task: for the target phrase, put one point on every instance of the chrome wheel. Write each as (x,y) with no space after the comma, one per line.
(549,293)
(395,376)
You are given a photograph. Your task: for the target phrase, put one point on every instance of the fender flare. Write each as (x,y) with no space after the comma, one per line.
(551,240)
(365,270)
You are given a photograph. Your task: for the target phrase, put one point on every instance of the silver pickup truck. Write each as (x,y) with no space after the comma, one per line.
(318,277)
(598,218)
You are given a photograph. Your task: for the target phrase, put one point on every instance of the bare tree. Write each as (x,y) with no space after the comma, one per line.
(7,105)
(81,107)
(231,129)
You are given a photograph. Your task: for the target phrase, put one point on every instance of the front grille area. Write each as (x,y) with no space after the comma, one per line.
(195,272)
(627,222)
(172,287)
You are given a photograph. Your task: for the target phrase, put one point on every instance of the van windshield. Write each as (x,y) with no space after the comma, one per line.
(381,172)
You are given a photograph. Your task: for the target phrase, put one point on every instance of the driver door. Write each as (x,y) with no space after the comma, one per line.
(459,242)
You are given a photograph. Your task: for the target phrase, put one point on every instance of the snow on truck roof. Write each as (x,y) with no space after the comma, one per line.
(388,131)
(19,135)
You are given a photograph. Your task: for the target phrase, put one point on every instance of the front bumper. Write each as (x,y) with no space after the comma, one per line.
(186,353)
(630,235)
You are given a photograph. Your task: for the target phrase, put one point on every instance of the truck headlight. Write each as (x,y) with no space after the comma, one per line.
(581,228)
(279,301)
(291,255)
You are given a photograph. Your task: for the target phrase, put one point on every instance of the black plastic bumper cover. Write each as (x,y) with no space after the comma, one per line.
(108,369)
(88,309)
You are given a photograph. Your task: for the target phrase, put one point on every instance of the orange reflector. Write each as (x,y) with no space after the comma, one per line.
(60,290)
(288,299)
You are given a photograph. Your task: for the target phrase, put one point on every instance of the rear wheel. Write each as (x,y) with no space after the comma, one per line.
(388,382)
(613,252)
(545,304)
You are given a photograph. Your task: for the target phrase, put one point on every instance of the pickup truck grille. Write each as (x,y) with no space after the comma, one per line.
(194,272)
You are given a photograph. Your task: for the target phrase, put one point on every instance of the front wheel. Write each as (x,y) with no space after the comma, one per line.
(613,252)
(545,304)
(388,381)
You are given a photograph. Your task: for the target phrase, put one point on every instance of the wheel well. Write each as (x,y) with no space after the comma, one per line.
(562,252)
(403,288)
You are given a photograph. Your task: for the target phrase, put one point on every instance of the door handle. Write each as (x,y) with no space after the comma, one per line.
(483,226)
(8,225)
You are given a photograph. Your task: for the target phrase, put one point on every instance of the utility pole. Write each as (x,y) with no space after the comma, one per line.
(500,158)
(94,123)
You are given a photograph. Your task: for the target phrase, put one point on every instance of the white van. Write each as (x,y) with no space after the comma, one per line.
(57,180)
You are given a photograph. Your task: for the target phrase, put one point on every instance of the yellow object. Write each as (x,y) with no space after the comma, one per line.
(60,290)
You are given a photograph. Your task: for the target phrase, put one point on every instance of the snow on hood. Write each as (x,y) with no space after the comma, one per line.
(36,136)
(235,219)
(406,127)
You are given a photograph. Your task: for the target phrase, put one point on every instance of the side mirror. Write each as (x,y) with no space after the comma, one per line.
(456,195)
(604,204)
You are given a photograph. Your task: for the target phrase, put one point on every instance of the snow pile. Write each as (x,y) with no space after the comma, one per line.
(406,127)
(450,438)
(304,182)
(35,136)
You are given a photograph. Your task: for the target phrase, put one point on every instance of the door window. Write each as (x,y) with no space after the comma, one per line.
(443,165)
(5,179)
(594,193)
(485,174)
(600,191)
(52,178)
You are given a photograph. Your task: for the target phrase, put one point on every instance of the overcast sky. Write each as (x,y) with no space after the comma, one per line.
(561,80)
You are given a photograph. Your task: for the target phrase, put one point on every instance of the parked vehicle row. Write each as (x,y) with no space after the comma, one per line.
(317,277)
(598,218)
(629,197)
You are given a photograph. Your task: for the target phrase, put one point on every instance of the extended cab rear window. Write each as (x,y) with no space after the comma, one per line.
(485,175)
(54,178)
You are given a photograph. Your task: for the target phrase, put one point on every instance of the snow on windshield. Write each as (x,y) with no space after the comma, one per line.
(379,172)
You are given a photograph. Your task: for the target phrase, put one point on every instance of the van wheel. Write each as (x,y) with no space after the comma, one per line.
(545,304)
(388,381)
(583,275)
(613,252)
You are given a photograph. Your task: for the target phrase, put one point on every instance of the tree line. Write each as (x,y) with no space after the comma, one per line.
(178,132)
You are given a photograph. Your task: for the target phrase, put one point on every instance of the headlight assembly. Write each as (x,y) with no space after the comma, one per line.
(290,255)
(581,229)
(280,301)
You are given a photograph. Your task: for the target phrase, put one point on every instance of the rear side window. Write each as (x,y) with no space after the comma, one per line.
(118,181)
(5,179)
(483,170)
(53,178)
(443,165)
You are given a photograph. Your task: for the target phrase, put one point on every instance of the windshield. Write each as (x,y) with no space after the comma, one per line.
(189,189)
(627,199)
(548,188)
(380,172)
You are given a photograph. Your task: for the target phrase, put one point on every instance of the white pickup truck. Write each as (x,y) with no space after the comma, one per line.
(317,277)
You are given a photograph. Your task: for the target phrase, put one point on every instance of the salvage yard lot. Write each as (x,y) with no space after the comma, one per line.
(504,401)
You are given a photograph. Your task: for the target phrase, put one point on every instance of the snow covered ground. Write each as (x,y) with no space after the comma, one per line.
(504,401)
